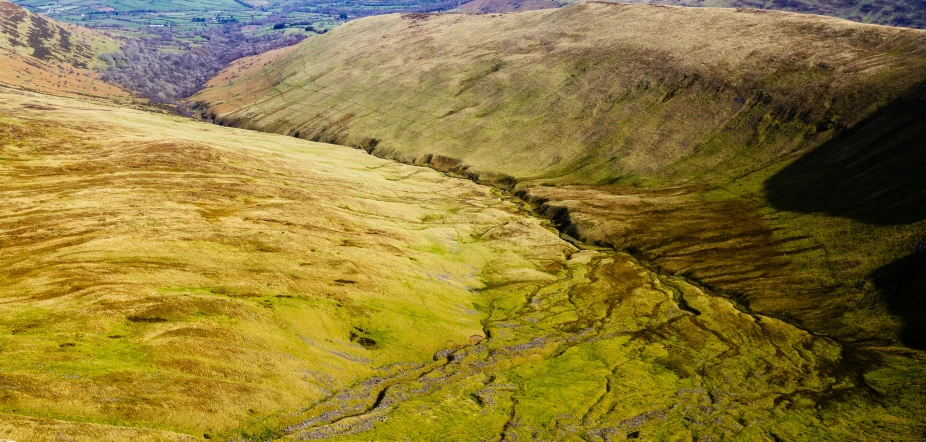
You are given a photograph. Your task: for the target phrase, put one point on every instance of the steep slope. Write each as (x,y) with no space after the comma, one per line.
(768,157)
(41,54)
(664,94)
(882,12)
(163,279)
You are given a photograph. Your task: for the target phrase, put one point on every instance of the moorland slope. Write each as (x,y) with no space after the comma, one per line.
(882,12)
(164,279)
(665,94)
(767,157)
(679,124)
(41,54)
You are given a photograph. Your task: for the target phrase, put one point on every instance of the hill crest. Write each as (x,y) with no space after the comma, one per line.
(883,12)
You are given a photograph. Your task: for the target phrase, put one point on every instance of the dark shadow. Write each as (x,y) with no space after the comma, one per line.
(873,172)
(902,284)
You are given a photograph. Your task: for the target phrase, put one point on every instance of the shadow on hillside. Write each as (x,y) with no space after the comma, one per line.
(902,284)
(874,172)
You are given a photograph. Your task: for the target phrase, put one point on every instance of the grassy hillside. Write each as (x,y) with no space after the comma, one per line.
(165,279)
(767,157)
(165,274)
(41,54)
(169,280)
(667,93)
(882,12)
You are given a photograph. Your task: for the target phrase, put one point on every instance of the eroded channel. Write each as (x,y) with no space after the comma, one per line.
(607,350)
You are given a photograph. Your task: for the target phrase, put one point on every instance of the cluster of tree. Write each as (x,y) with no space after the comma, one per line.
(166,77)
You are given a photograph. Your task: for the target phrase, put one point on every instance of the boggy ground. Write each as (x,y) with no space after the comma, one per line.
(610,350)
(164,279)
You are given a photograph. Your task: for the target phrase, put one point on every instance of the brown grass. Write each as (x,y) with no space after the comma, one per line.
(38,53)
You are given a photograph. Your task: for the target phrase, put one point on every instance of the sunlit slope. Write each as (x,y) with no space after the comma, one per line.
(705,134)
(590,93)
(166,274)
(883,12)
(163,279)
(41,54)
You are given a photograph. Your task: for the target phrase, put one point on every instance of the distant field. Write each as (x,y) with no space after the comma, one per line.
(151,18)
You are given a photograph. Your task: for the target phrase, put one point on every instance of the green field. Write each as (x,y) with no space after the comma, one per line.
(151,18)
(182,18)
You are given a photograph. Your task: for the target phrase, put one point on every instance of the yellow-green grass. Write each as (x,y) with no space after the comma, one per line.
(167,274)
(165,279)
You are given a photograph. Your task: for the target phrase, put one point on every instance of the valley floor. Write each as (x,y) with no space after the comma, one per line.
(165,279)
